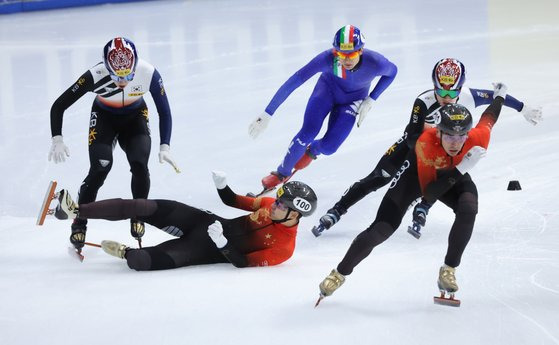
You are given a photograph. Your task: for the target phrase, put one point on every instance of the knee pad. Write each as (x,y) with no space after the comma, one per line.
(138,259)
(149,259)
(102,166)
(377,179)
(467,204)
(379,232)
(389,213)
(139,169)
(328,148)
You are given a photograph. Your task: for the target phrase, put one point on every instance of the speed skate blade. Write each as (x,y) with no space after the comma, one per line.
(49,195)
(317,230)
(320,298)
(73,252)
(256,195)
(451,302)
(415,231)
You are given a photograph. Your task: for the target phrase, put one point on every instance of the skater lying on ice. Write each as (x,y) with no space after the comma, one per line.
(265,237)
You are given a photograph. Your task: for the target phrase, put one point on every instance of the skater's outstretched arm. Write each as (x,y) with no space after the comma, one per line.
(232,199)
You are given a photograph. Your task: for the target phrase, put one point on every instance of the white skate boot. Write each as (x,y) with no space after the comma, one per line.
(66,208)
(114,248)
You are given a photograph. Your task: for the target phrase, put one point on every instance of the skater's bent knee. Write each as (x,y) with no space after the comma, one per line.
(138,259)
(467,204)
(139,169)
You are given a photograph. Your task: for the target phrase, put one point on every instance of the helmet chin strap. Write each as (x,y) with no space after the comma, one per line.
(284,218)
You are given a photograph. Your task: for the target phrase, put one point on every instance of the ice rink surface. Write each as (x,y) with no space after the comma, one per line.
(221,62)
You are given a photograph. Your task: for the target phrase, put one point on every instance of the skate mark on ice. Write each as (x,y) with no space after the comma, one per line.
(534,322)
(535,283)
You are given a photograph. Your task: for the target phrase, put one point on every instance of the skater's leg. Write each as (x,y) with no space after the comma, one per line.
(194,249)
(118,209)
(389,217)
(382,174)
(340,124)
(463,199)
(135,140)
(318,107)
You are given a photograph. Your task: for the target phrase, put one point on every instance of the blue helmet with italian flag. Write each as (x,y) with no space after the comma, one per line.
(348,39)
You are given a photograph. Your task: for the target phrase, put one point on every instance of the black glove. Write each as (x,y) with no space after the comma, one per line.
(420,212)
(330,218)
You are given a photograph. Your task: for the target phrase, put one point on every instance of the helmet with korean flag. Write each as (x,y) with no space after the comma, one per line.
(449,74)
(120,58)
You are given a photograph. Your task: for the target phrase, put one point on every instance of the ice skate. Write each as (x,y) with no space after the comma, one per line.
(305,160)
(79,228)
(114,248)
(45,210)
(447,285)
(137,230)
(273,180)
(330,284)
(66,208)
(270,182)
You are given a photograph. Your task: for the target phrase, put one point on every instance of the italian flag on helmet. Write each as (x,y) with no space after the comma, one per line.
(348,39)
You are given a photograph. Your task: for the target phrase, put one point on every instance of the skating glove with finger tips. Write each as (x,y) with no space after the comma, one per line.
(532,115)
(420,212)
(220,179)
(165,156)
(259,125)
(470,159)
(364,109)
(499,90)
(215,231)
(58,150)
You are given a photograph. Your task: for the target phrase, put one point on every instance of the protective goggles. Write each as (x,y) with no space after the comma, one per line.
(128,77)
(455,138)
(351,55)
(451,93)
(280,205)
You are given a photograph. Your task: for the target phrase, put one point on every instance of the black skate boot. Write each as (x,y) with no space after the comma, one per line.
(137,230)
(77,238)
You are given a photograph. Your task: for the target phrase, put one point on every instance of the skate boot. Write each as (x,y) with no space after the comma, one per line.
(137,230)
(447,284)
(114,248)
(66,208)
(447,279)
(272,180)
(330,284)
(77,238)
(304,161)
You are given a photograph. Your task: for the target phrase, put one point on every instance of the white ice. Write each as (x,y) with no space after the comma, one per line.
(221,62)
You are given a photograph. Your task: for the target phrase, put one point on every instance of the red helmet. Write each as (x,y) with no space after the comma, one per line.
(449,74)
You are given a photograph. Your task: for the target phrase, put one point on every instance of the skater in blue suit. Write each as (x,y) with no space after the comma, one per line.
(342,91)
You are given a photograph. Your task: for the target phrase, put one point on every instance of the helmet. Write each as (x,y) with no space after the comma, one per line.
(299,197)
(454,119)
(449,74)
(348,39)
(120,58)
